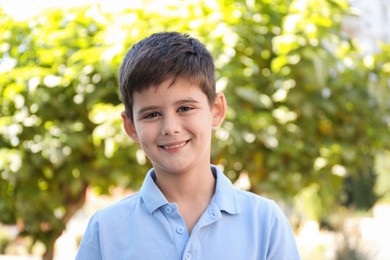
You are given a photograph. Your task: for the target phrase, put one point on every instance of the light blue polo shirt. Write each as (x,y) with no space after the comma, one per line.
(237,225)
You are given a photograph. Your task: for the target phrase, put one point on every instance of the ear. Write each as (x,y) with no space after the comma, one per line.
(219,109)
(129,127)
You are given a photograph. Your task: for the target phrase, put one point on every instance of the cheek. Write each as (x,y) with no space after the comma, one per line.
(145,133)
(201,124)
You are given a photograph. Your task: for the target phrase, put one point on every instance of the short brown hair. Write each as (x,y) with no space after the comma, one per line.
(163,56)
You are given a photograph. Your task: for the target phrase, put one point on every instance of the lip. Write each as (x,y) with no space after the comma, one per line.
(174,145)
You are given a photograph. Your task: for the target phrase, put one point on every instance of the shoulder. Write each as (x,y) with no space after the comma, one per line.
(117,217)
(120,208)
(252,197)
(252,203)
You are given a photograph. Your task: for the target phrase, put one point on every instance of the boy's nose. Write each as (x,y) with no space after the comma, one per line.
(170,126)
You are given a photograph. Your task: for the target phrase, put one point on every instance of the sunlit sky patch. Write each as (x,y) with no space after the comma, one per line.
(25,9)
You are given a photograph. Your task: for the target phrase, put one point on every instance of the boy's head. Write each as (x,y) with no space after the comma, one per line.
(163,56)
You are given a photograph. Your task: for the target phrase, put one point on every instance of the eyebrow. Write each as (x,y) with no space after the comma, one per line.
(179,102)
(186,100)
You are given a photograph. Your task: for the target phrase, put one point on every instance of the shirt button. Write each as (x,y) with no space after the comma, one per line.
(168,210)
(180,230)
(188,256)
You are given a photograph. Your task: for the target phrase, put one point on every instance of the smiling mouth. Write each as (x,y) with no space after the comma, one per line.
(174,146)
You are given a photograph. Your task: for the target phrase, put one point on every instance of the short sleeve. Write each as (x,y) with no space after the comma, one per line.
(90,244)
(282,240)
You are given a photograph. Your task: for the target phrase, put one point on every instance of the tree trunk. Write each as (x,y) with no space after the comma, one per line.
(72,206)
(49,253)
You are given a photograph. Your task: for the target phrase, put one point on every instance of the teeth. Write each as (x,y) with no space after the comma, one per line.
(174,146)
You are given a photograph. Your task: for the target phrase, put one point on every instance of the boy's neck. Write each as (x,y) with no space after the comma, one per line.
(197,185)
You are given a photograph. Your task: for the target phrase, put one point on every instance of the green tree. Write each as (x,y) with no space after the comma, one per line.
(309,109)
(62,81)
(306,107)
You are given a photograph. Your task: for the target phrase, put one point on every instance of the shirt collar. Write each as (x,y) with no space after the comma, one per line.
(224,198)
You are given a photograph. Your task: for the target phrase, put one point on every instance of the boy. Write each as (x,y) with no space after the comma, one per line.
(186,208)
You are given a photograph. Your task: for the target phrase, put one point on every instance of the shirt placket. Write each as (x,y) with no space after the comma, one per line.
(192,250)
(177,225)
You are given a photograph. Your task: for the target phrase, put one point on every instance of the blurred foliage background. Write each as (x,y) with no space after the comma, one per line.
(308,119)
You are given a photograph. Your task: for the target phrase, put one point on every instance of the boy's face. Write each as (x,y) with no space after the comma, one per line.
(173,124)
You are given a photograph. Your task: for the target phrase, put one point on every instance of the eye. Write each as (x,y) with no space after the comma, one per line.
(151,115)
(184,109)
